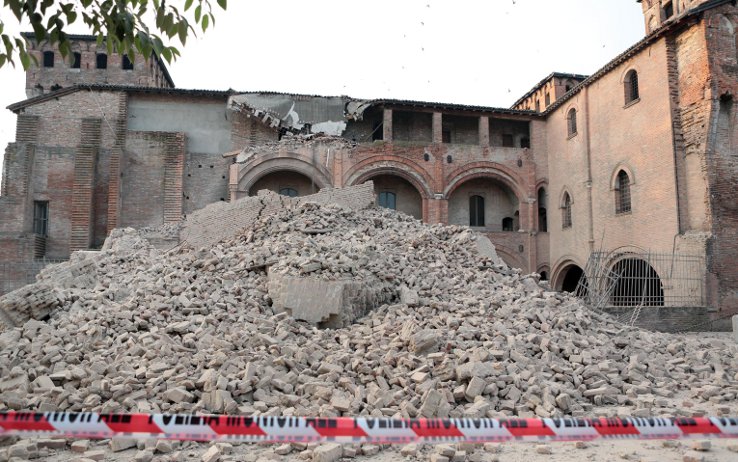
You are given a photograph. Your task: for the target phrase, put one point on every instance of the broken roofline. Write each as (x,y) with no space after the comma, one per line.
(536,87)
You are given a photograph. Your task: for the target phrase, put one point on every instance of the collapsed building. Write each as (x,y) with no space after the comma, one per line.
(619,185)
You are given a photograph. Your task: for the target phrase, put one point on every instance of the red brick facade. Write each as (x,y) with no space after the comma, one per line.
(104,156)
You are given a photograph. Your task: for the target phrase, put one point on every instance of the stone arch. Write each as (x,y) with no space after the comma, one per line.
(614,175)
(492,170)
(561,269)
(403,168)
(250,173)
(545,271)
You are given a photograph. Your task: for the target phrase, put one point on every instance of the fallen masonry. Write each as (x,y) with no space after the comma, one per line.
(444,329)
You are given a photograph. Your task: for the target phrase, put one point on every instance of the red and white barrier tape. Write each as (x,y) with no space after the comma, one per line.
(354,430)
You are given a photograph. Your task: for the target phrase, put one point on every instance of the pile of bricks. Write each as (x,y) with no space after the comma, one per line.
(455,333)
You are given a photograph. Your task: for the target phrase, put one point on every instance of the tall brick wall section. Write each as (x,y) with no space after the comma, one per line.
(722,145)
(113,198)
(82,188)
(212,224)
(152,178)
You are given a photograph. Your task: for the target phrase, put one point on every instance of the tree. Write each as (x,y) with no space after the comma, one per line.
(122,26)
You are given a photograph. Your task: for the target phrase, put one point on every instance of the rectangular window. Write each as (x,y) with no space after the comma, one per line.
(41,218)
(76,60)
(507,141)
(127,64)
(48,59)
(378,132)
(102,61)
(668,10)
(446,136)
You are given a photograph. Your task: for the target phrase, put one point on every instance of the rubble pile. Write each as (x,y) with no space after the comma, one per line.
(456,332)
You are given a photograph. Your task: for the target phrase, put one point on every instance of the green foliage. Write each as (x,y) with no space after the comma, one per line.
(122,26)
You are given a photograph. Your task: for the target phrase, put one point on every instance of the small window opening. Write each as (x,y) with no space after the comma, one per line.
(544,276)
(388,200)
(630,85)
(548,99)
(525,142)
(101,61)
(538,106)
(542,213)
(507,224)
(622,193)
(127,64)
(446,135)
(567,88)
(507,141)
(378,131)
(449,158)
(289,192)
(41,218)
(476,211)
(76,60)
(48,59)
(668,10)
(566,211)
(426,157)
(571,122)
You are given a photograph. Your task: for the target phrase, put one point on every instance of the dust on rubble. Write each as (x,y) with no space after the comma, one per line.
(454,333)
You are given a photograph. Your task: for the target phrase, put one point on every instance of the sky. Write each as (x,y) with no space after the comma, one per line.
(477,52)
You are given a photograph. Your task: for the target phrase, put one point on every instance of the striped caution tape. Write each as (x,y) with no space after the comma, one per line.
(354,430)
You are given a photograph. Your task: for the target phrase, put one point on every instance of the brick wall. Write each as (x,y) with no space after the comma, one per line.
(151,185)
(40,79)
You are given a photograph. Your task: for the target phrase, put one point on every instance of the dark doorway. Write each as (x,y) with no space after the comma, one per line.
(571,279)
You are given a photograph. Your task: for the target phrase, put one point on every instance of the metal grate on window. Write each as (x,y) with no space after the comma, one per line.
(631,87)
(622,193)
(41,218)
(566,212)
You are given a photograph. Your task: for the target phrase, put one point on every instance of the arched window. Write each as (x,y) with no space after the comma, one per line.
(289,192)
(622,192)
(548,99)
(538,106)
(48,59)
(566,211)
(542,215)
(630,86)
(388,200)
(507,224)
(571,121)
(476,211)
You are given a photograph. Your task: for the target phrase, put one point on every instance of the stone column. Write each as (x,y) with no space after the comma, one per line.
(484,131)
(387,126)
(437,127)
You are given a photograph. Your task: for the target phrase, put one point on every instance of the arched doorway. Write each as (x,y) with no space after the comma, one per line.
(485,203)
(395,192)
(285,182)
(570,277)
(637,284)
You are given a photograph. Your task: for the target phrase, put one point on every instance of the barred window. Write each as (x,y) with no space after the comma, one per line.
(566,211)
(476,211)
(630,85)
(622,193)
(41,218)
(571,121)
